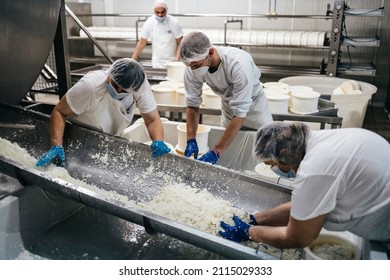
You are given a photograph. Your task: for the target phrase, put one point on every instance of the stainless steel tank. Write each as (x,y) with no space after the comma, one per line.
(27,31)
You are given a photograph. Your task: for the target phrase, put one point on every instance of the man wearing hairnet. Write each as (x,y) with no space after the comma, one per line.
(165,34)
(106,100)
(342,183)
(232,74)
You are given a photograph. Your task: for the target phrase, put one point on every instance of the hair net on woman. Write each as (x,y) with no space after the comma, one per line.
(127,73)
(281,142)
(194,47)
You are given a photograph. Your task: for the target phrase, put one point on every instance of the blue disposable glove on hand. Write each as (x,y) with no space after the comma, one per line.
(252,219)
(159,148)
(238,233)
(53,153)
(210,157)
(192,148)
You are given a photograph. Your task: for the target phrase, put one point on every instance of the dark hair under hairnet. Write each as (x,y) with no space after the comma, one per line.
(127,73)
(281,142)
(193,45)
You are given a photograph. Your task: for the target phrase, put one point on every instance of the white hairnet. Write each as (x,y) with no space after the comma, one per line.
(160,3)
(281,142)
(127,73)
(194,47)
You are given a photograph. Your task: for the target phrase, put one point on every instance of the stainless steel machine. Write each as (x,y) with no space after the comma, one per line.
(35,208)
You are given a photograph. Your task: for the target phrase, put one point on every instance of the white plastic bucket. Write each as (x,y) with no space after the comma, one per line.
(164,94)
(351,107)
(181,97)
(172,83)
(278,103)
(211,100)
(175,71)
(346,242)
(304,102)
(202,138)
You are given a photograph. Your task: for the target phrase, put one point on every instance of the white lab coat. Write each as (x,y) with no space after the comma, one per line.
(90,101)
(237,82)
(163,37)
(345,173)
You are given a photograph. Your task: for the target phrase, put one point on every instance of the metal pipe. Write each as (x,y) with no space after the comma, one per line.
(81,25)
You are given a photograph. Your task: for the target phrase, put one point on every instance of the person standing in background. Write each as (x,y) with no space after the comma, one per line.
(165,34)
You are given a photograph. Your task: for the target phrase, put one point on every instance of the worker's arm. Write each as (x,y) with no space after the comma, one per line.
(297,234)
(139,48)
(192,114)
(58,120)
(228,136)
(154,125)
(178,41)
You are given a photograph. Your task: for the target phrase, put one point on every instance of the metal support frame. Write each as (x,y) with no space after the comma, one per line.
(61,51)
(225,28)
(335,38)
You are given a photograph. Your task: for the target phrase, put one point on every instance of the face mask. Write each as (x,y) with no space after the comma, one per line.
(114,94)
(200,72)
(278,171)
(161,19)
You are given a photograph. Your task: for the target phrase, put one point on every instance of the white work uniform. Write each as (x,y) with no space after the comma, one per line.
(90,101)
(163,37)
(237,82)
(345,174)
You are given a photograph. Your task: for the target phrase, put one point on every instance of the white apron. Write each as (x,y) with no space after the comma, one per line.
(108,115)
(164,48)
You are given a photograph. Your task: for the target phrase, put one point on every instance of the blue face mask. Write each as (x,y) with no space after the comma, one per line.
(114,94)
(161,19)
(278,171)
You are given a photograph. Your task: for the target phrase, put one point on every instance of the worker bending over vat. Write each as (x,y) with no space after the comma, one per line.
(106,99)
(232,74)
(342,183)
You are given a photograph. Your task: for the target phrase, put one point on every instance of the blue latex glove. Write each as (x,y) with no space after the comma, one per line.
(210,157)
(238,233)
(53,153)
(252,219)
(159,148)
(191,148)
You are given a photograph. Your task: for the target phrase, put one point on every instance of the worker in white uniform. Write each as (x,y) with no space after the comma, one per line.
(165,34)
(342,183)
(230,73)
(106,100)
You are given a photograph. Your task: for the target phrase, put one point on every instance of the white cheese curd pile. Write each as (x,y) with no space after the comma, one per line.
(20,155)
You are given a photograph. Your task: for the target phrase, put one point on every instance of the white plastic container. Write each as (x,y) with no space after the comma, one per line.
(305,102)
(202,138)
(278,103)
(351,107)
(172,83)
(175,71)
(164,94)
(211,100)
(181,97)
(344,243)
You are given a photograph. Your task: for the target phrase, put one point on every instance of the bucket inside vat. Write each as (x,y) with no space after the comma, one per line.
(351,107)
(181,96)
(202,138)
(164,94)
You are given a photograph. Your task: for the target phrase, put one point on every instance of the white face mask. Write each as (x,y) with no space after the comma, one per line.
(114,94)
(200,72)
(161,19)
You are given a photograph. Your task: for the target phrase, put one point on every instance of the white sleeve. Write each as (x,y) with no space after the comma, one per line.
(242,79)
(193,89)
(144,99)
(146,31)
(314,195)
(81,96)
